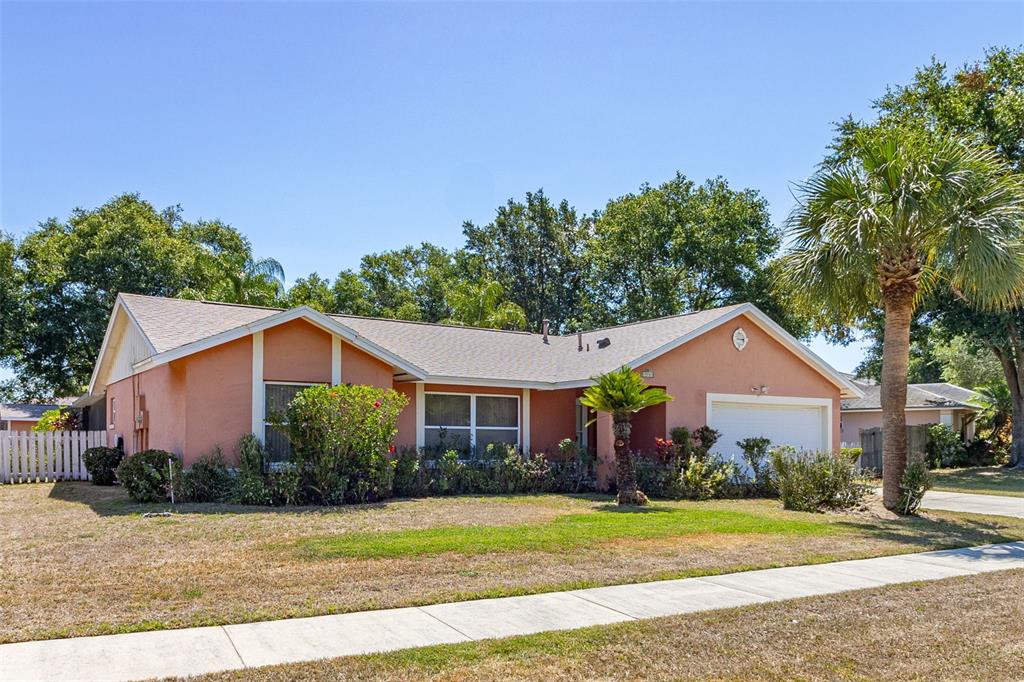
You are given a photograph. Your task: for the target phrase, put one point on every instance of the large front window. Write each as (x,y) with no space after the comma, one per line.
(464,422)
(276,397)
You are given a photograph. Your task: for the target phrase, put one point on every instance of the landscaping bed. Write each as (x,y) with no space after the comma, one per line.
(925,631)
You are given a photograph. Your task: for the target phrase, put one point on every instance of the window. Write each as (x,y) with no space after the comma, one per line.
(276,397)
(113,412)
(465,422)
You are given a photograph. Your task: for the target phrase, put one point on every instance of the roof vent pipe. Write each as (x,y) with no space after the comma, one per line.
(544,327)
(579,342)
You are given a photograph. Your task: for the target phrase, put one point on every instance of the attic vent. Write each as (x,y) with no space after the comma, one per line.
(604,343)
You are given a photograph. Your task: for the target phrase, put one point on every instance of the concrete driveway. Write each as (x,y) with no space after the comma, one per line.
(998,505)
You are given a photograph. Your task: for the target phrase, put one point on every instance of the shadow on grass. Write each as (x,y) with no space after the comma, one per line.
(933,533)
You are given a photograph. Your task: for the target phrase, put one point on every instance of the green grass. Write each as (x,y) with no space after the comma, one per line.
(982,480)
(564,533)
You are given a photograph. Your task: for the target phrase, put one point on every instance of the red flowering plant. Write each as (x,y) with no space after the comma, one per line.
(664,449)
(341,439)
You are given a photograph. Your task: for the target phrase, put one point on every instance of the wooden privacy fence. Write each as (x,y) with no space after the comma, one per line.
(31,456)
(871,445)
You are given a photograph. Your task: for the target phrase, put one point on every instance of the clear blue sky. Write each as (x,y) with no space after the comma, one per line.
(328,130)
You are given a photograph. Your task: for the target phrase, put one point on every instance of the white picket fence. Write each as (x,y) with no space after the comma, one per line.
(31,456)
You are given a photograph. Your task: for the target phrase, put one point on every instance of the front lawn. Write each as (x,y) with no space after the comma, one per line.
(79,559)
(983,480)
(954,629)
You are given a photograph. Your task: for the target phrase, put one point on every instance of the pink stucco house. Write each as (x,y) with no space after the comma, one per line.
(187,376)
(940,403)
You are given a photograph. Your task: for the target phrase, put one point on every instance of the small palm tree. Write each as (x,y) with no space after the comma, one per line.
(622,393)
(903,217)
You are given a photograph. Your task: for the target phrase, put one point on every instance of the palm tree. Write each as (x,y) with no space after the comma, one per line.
(480,304)
(905,216)
(622,393)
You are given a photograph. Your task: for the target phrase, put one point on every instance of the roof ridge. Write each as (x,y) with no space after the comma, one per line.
(438,324)
(663,317)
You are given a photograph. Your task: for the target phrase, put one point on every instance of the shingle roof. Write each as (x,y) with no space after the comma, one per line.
(25,411)
(441,350)
(918,396)
(452,351)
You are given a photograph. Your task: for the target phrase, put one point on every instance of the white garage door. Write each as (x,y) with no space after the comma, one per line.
(804,423)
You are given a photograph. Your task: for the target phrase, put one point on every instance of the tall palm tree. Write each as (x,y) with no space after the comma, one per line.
(902,217)
(481,304)
(622,393)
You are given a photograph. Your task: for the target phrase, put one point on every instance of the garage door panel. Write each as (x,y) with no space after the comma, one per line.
(799,425)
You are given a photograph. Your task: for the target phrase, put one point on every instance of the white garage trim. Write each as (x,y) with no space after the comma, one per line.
(738,398)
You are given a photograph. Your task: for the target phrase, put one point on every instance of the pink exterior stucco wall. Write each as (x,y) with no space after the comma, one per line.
(711,364)
(853,422)
(218,399)
(297,351)
(120,407)
(20,425)
(163,389)
(359,367)
(552,418)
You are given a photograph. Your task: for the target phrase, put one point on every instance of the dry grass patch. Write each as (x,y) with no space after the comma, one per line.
(954,629)
(982,480)
(79,559)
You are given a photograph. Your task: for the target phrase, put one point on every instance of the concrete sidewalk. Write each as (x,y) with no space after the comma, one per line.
(195,651)
(998,505)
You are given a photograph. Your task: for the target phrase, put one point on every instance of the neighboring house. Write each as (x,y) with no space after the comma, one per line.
(188,376)
(926,404)
(23,416)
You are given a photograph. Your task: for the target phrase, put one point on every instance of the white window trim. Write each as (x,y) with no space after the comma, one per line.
(472,416)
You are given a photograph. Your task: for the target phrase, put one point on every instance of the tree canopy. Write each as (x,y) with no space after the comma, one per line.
(675,248)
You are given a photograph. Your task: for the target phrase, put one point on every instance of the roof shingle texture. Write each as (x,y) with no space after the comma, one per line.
(440,350)
(918,395)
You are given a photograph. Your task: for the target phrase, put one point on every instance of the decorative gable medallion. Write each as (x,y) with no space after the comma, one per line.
(739,338)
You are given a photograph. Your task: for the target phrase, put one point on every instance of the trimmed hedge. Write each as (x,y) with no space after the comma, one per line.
(146,475)
(101,463)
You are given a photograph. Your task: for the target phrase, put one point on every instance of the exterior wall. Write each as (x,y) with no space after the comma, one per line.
(853,422)
(20,425)
(406,437)
(359,367)
(647,425)
(218,399)
(119,420)
(552,418)
(297,351)
(204,400)
(711,364)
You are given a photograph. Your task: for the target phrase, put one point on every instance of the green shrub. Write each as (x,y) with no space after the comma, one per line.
(916,481)
(706,478)
(755,454)
(411,478)
(448,473)
(208,480)
(250,485)
(944,447)
(147,475)
(852,454)
(101,463)
(284,486)
(340,438)
(815,481)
